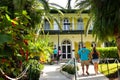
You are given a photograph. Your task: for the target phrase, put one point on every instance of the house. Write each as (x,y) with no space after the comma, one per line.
(71,37)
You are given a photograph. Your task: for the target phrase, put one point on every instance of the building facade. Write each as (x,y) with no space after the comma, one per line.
(71,37)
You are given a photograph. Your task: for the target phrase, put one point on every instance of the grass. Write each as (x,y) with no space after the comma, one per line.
(110,70)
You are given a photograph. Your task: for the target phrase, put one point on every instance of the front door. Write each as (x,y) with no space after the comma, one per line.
(66,49)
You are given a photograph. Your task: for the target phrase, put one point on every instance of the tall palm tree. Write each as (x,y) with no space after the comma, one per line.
(105,15)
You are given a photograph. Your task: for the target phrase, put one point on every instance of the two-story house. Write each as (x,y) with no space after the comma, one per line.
(71,36)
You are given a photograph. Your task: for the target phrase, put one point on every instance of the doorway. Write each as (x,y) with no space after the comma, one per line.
(66,49)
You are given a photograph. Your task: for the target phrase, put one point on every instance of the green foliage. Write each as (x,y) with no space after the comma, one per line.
(41,46)
(108,52)
(11,66)
(104,17)
(113,69)
(69,68)
(1,79)
(34,69)
(18,20)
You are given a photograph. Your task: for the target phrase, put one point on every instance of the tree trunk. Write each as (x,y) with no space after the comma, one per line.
(118,44)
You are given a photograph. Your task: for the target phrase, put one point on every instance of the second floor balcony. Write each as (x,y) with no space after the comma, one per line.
(67,28)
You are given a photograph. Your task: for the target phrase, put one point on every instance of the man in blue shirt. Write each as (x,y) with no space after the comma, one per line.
(84,58)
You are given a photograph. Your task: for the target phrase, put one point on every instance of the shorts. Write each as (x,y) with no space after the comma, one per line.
(55,55)
(85,62)
(95,61)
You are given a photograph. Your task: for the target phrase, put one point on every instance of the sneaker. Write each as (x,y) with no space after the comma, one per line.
(87,73)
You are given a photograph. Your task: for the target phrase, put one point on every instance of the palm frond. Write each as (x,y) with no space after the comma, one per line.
(56,5)
(89,24)
(68,5)
(82,5)
(45,5)
(106,18)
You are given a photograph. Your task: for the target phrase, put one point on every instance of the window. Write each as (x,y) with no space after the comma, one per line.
(91,27)
(46,25)
(66,49)
(66,24)
(56,27)
(80,25)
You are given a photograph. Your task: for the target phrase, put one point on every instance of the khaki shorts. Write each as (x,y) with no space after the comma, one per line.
(86,62)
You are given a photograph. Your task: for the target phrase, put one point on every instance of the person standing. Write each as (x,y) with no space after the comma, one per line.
(84,55)
(95,59)
(59,54)
(55,52)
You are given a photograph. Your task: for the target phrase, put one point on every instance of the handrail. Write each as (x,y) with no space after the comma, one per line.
(106,60)
(18,77)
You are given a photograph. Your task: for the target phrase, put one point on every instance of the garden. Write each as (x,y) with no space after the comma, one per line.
(23,45)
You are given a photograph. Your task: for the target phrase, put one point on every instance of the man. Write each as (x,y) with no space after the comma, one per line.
(84,54)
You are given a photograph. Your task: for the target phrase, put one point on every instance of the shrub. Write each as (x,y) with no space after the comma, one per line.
(34,69)
(108,52)
(69,68)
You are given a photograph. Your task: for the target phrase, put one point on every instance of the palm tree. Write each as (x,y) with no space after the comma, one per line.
(106,17)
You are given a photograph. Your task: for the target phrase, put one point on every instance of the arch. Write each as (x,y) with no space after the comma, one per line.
(66,24)
(66,47)
(66,41)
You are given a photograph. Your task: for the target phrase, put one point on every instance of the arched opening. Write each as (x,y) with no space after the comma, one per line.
(66,24)
(66,49)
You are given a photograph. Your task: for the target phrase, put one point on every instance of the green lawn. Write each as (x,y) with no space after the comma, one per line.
(110,70)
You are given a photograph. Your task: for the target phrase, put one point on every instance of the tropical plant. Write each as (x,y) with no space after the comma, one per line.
(19,18)
(34,69)
(105,17)
(41,47)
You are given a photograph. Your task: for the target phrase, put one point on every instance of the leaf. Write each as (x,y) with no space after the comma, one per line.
(8,17)
(24,12)
(5,38)
(14,22)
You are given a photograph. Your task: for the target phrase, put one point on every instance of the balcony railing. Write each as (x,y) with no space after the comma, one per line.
(66,31)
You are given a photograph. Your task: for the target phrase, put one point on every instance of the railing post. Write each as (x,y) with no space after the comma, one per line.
(107,67)
(101,65)
(118,69)
(75,68)
(30,71)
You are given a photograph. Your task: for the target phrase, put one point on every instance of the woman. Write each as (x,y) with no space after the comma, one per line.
(95,59)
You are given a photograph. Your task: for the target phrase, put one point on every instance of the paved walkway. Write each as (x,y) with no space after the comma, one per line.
(51,72)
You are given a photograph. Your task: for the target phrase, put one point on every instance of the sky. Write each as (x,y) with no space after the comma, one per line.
(62,3)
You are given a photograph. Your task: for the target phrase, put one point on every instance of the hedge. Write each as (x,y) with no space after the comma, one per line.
(108,52)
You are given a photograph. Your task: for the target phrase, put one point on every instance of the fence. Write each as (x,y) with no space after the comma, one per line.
(107,62)
(22,74)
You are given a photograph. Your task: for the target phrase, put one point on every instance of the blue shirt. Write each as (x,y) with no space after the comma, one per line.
(83,54)
(55,51)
